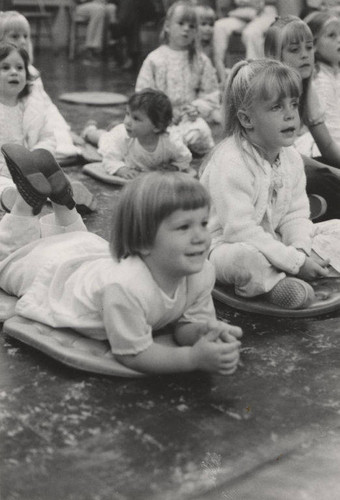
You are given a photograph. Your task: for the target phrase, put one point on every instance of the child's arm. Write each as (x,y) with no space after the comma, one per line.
(314,117)
(313,269)
(190,333)
(206,354)
(208,83)
(180,155)
(329,149)
(113,148)
(147,75)
(295,227)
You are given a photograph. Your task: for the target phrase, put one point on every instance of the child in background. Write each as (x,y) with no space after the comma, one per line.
(206,17)
(142,142)
(152,273)
(261,232)
(24,119)
(325,28)
(252,18)
(14,28)
(22,113)
(186,76)
(290,40)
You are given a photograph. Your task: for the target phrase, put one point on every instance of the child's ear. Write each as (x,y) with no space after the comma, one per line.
(144,252)
(157,130)
(245,119)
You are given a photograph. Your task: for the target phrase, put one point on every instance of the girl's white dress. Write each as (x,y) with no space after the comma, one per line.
(185,82)
(119,150)
(71,280)
(259,216)
(64,147)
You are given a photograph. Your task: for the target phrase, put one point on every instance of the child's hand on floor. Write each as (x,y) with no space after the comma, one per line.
(224,331)
(312,269)
(127,173)
(211,355)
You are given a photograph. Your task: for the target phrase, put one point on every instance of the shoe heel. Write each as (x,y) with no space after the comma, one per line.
(61,190)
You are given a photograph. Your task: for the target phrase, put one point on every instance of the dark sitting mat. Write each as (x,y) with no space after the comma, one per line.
(327,292)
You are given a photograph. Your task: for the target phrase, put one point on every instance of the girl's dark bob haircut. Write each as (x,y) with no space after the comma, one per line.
(143,205)
(5,50)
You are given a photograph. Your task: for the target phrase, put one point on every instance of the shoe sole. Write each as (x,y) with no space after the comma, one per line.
(61,190)
(31,184)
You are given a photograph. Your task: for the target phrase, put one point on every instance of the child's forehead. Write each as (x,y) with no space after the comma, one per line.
(187,213)
(13,56)
(297,34)
(298,40)
(278,97)
(332,24)
(17,26)
(137,110)
(183,14)
(206,18)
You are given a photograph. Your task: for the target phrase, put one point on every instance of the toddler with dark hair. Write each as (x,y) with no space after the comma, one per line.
(142,142)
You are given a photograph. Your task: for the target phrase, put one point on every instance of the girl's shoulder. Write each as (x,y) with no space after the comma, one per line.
(132,275)
(229,148)
(159,53)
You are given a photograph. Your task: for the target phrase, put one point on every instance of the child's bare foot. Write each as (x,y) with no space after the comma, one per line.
(89,125)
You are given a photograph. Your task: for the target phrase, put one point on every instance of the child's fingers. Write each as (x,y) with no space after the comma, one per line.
(227,372)
(235,331)
(322,271)
(230,348)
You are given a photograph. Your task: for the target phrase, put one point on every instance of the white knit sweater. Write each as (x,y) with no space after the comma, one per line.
(183,82)
(244,209)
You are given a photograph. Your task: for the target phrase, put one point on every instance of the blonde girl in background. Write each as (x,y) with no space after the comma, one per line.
(186,76)
(152,273)
(14,28)
(261,232)
(206,17)
(290,40)
(325,28)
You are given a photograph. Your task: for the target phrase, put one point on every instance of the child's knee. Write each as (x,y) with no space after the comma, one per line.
(245,267)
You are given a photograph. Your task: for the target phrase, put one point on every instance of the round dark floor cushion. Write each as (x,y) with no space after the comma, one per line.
(94,98)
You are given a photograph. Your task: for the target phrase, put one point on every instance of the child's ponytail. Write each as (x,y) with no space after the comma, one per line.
(231,101)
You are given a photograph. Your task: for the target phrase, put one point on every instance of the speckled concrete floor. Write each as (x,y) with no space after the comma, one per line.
(270,431)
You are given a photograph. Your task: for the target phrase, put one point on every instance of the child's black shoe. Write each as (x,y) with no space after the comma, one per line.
(29,180)
(61,190)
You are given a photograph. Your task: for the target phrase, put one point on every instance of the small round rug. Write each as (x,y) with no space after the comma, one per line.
(94,98)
